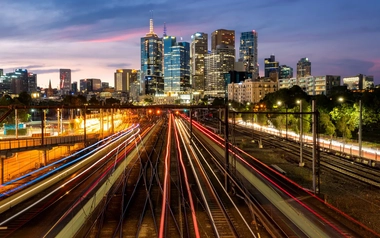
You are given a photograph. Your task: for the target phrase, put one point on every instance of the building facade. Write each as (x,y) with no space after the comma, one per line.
(74,88)
(65,81)
(251,91)
(303,68)
(359,82)
(318,85)
(90,85)
(222,37)
(271,68)
(124,78)
(198,51)
(218,63)
(105,85)
(176,66)
(248,52)
(151,62)
(285,72)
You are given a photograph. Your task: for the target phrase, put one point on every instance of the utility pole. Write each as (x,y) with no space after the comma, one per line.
(314,131)
(58,126)
(301,164)
(226,147)
(16,123)
(191,126)
(360,127)
(286,120)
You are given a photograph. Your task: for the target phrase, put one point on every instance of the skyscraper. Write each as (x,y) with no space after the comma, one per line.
(271,68)
(151,62)
(222,37)
(303,68)
(198,50)
(176,65)
(248,52)
(65,81)
(1,72)
(19,81)
(124,78)
(32,83)
(74,87)
(90,85)
(218,63)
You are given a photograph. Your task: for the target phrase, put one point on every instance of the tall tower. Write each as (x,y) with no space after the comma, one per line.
(303,68)
(218,63)
(248,52)
(198,51)
(65,81)
(176,65)
(222,37)
(151,62)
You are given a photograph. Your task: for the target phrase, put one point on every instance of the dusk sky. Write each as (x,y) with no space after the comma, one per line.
(95,37)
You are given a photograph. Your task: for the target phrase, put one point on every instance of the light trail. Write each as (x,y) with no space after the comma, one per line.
(209,132)
(217,179)
(52,192)
(45,175)
(99,179)
(195,223)
(166,179)
(211,135)
(117,135)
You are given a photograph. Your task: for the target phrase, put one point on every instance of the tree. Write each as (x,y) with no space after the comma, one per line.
(93,101)
(77,101)
(346,119)
(24,98)
(112,101)
(326,124)
(218,102)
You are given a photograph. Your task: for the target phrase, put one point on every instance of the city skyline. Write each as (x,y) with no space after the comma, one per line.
(93,43)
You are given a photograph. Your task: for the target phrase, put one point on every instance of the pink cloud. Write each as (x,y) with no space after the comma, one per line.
(131,35)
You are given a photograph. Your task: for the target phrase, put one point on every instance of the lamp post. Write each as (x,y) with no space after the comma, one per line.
(301,163)
(58,126)
(360,127)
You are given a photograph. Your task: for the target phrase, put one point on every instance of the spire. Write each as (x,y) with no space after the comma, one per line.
(164,29)
(151,32)
(151,23)
(49,83)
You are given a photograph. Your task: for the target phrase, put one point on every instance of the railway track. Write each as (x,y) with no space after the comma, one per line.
(328,159)
(323,211)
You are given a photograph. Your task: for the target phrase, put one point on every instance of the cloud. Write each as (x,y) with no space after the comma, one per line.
(119,66)
(45,71)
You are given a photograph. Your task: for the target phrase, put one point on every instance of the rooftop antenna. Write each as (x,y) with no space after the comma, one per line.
(164,29)
(151,23)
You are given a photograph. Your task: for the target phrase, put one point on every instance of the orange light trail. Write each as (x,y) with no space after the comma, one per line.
(196,229)
(212,136)
(166,179)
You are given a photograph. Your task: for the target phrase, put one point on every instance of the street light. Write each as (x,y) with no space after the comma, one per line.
(360,124)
